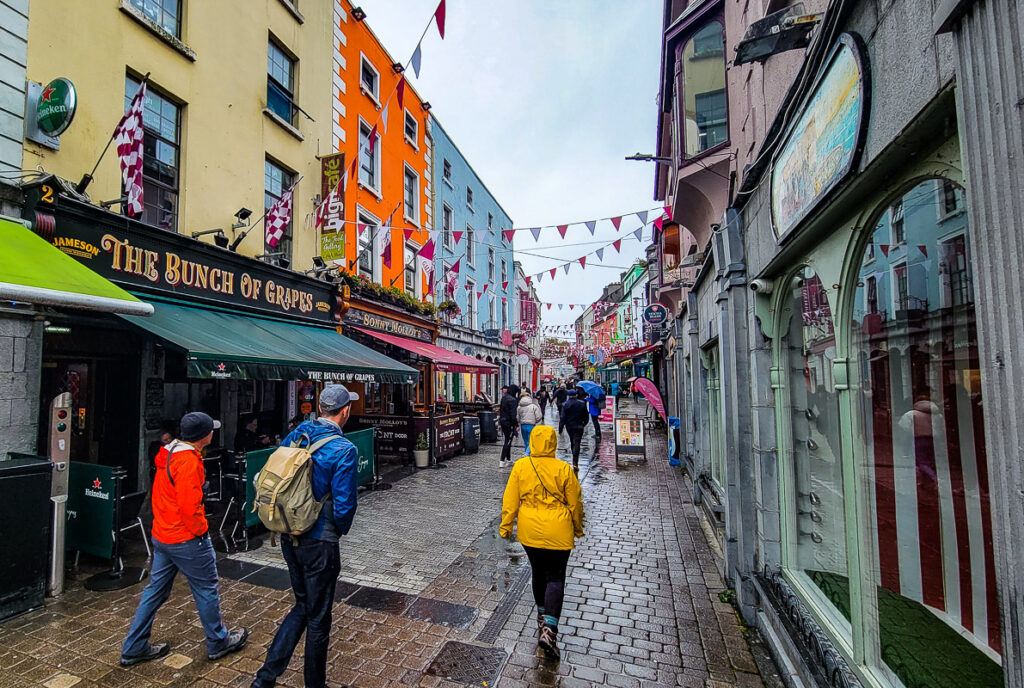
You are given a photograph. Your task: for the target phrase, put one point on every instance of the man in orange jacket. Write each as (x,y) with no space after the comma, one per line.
(181,541)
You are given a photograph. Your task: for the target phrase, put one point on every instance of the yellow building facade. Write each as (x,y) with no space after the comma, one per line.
(240,103)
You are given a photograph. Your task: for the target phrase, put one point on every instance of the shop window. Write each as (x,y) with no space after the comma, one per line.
(446,226)
(705,112)
(412,195)
(930,601)
(164,13)
(161,121)
(280,83)
(276,181)
(369,158)
(815,538)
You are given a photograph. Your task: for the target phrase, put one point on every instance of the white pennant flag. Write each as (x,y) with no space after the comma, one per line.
(416,57)
(600,253)
(639,234)
(535,231)
(566,268)
(384,118)
(591,225)
(561,306)
(643,216)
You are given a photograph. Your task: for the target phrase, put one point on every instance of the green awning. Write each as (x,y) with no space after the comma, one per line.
(33,271)
(224,345)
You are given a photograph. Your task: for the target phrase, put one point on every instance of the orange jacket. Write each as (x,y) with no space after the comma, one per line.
(178,513)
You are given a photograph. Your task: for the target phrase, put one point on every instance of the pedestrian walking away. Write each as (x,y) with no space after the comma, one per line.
(314,558)
(595,414)
(542,399)
(529,416)
(574,421)
(560,397)
(508,420)
(181,541)
(544,498)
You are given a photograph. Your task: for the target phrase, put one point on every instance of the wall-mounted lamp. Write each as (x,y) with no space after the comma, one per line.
(427,106)
(358,14)
(647,157)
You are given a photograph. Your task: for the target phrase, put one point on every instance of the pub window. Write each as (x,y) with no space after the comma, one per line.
(446,225)
(280,82)
(369,158)
(369,79)
(164,13)
(410,268)
(470,247)
(412,129)
(412,195)
(276,181)
(161,121)
(705,113)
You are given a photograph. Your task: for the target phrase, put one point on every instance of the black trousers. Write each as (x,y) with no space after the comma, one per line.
(548,568)
(575,438)
(597,427)
(506,448)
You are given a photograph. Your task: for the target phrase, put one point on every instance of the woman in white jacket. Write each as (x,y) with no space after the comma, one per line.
(529,415)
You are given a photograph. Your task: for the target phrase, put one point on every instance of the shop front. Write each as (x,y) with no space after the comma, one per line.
(249,343)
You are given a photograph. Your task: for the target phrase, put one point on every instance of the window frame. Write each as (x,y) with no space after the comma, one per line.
(371,241)
(447,228)
(375,152)
(414,140)
(159,138)
(471,304)
(372,94)
(140,5)
(272,81)
(681,39)
(413,219)
(446,172)
(288,178)
(470,249)
(409,269)
(469,199)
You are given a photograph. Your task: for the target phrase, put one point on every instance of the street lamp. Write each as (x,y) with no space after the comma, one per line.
(647,157)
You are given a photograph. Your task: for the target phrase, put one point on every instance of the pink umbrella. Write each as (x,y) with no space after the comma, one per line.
(650,392)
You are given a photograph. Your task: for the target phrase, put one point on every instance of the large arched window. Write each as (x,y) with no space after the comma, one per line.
(930,603)
(704,101)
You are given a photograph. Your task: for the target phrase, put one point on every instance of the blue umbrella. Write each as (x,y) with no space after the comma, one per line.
(591,388)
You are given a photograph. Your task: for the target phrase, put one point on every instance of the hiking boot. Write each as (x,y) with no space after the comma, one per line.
(236,641)
(154,652)
(547,640)
(540,620)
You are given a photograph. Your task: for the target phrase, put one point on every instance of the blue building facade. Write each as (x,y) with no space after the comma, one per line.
(471,224)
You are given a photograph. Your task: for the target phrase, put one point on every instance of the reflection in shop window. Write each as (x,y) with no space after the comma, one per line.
(816,539)
(931,600)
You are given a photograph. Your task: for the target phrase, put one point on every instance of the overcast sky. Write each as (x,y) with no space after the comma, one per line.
(545,99)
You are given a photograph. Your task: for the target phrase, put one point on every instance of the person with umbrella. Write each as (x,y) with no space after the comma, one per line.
(595,395)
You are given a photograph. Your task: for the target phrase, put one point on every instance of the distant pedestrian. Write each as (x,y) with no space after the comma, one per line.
(508,420)
(544,496)
(595,413)
(574,420)
(529,416)
(636,394)
(543,397)
(314,558)
(560,397)
(181,541)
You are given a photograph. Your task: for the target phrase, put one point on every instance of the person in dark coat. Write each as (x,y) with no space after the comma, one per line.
(508,420)
(542,398)
(573,419)
(560,397)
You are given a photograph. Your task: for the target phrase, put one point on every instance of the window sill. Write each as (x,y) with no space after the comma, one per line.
(278,120)
(471,208)
(372,190)
(157,30)
(293,10)
(369,94)
(415,223)
(449,183)
(412,143)
(950,216)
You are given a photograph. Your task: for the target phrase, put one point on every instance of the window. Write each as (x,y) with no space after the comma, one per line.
(869,252)
(446,226)
(899,233)
(367,243)
(470,303)
(955,272)
(504,272)
(446,173)
(923,463)
(704,119)
(491,319)
(276,181)
(369,79)
(412,195)
(490,265)
(469,198)
(490,222)
(410,268)
(164,13)
(161,120)
(412,129)
(901,279)
(470,247)
(713,443)
(871,298)
(369,160)
(280,83)
(950,198)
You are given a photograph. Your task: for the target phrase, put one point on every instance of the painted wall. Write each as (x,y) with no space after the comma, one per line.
(451,193)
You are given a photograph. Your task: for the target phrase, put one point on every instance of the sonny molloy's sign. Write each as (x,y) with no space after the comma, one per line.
(381,323)
(139,257)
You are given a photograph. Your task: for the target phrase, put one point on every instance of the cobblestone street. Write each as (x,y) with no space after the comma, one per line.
(429,595)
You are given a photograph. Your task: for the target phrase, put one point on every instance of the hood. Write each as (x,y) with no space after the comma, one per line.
(315,430)
(525,401)
(513,391)
(174,446)
(543,441)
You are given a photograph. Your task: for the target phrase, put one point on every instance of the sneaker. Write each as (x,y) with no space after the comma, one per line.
(236,641)
(547,643)
(154,652)
(540,620)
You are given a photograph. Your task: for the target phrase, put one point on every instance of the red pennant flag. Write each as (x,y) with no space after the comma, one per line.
(923,249)
(530,279)
(618,245)
(553,273)
(509,233)
(485,288)
(352,169)
(479,294)
(372,138)
(401,93)
(457,235)
(583,262)
(503,299)
(439,16)
(408,233)
(571,306)
(668,211)
(561,230)
(362,228)
(504,285)
(549,306)
(616,221)
(658,223)
(884,248)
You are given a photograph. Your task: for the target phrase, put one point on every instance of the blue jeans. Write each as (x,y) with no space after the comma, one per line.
(314,566)
(527,429)
(195,559)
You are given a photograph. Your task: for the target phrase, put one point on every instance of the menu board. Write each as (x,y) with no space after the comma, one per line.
(629,436)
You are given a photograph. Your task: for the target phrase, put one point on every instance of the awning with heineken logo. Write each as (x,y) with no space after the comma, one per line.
(33,271)
(223,345)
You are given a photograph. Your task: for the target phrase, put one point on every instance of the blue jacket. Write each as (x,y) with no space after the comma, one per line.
(592,407)
(335,473)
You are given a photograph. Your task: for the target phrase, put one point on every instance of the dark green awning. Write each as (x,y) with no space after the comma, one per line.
(227,346)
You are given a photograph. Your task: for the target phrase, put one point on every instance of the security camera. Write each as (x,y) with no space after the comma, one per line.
(762,286)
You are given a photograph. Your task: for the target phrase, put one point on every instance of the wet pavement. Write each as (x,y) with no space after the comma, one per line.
(429,595)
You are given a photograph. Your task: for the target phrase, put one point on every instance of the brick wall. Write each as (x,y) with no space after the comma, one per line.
(21,340)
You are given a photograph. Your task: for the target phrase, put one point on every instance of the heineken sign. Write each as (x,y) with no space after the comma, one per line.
(56,107)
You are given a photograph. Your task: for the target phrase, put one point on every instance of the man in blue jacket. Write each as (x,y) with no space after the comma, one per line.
(595,415)
(315,562)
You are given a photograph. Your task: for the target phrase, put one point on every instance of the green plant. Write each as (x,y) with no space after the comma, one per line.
(421,442)
(449,308)
(393,295)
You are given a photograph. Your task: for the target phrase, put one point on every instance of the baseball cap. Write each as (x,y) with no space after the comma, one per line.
(571,392)
(336,397)
(197,425)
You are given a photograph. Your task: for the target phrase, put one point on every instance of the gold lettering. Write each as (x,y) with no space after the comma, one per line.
(152,274)
(227,282)
(246,286)
(188,273)
(133,260)
(271,287)
(116,248)
(202,275)
(172,274)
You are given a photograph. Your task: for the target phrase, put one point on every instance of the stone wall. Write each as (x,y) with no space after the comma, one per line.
(21,340)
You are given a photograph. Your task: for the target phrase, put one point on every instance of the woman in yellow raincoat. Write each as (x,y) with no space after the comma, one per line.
(545,496)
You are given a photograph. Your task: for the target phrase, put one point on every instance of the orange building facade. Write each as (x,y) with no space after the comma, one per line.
(391,182)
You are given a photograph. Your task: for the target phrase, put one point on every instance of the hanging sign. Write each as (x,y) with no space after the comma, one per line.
(655,314)
(56,106)
(332,232)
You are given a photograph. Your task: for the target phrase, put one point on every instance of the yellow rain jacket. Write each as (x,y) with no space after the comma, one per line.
(548,501)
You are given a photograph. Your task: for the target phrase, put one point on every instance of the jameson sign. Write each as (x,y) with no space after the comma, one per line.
(138,257)
(380,323)
(332,232)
